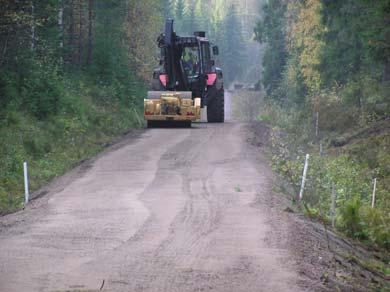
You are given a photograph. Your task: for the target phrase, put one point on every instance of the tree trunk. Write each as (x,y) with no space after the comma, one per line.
(90,27)
(61,22)
(32,26)
(81,47)
(71,32)
(61,30)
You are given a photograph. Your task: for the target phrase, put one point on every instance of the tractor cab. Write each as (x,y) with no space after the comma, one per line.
(187,71)
(186,64)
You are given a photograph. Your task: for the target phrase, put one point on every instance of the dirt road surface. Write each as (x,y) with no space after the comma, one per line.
(170,210)
(164,210)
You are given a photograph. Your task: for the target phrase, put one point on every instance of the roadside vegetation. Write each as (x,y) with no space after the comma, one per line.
(72,78)
(73,75)
(326,81)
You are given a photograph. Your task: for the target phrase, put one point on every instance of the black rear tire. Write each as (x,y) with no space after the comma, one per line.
(151,124)
(169,124)
(216,109)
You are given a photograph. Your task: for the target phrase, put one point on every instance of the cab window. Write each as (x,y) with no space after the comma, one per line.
(190,60)
(206,56)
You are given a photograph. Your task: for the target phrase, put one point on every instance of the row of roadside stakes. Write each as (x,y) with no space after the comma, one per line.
(333,207)
(304,176)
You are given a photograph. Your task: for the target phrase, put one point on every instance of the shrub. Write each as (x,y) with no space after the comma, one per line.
(376,225)
(349,171)
(350,218)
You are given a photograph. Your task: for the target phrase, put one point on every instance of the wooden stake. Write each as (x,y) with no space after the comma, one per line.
(304,177)
(26,188)
(333,207)
(373,194)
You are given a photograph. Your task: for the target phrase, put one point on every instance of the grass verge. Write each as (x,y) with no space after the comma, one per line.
(90,120)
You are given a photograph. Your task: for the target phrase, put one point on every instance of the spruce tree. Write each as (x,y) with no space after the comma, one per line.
(189,22)
(232,47)
(167,8)
(180,9)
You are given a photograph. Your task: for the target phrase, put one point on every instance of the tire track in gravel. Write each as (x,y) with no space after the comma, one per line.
(194,223)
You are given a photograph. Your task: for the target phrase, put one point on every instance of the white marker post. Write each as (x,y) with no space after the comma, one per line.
(304,177)
(333,207)
(373,194)
(26,191)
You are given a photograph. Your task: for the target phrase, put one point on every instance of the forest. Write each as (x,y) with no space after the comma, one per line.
(73,75)
(326,81)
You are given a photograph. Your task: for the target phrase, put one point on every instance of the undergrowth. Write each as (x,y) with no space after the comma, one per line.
(346,171)
(66,122)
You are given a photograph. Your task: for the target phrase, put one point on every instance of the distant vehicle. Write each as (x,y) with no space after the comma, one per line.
(241,86)
(238,86)
(186,81)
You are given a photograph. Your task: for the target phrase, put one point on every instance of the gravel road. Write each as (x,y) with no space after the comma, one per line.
(169,210)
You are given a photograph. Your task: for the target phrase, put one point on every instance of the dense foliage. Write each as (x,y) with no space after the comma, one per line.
(72,76)
(315,46)
(326,76)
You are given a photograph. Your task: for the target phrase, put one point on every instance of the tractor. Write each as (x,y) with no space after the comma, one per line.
(187,82)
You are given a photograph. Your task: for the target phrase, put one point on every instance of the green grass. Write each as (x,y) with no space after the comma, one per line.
(53,145)
(349,169)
